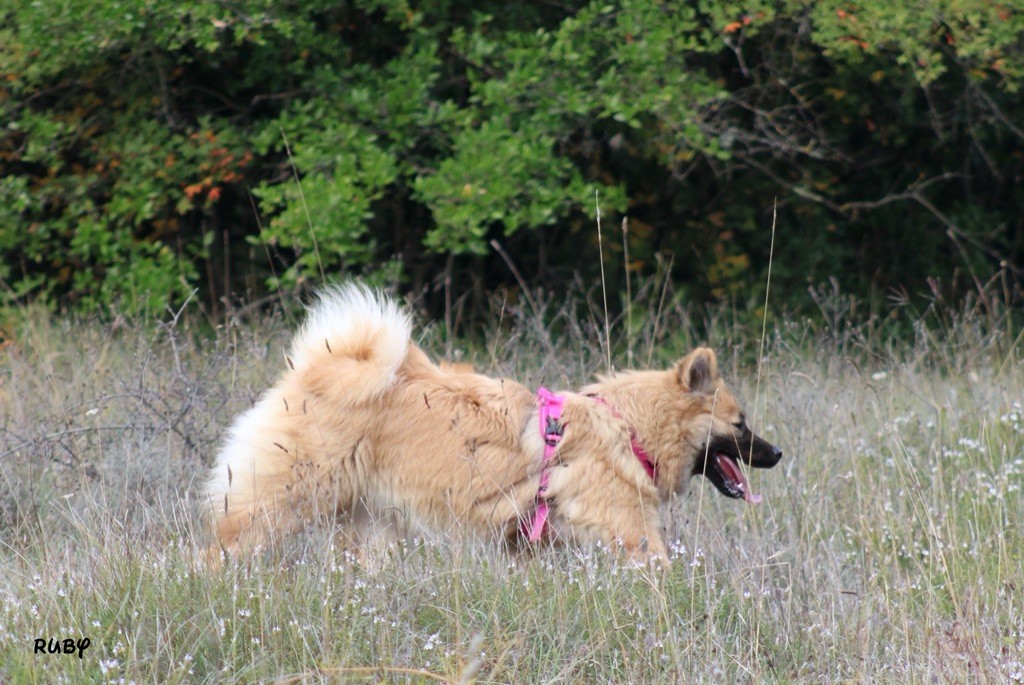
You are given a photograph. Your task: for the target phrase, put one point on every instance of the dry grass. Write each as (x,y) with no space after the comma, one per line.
(888,548)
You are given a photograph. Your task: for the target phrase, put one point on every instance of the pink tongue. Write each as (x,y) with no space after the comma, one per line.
(733,473)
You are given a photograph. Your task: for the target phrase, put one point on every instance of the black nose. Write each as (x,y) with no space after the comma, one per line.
(776,453)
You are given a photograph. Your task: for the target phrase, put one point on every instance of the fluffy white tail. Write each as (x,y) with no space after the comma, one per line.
(352,343)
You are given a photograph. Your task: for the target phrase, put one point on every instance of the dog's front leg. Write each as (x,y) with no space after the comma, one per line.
(603,492)
(647,551)
(640,537)
(620,518)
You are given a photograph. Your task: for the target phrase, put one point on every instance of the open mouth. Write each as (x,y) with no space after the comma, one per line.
(721,463)
(725,473)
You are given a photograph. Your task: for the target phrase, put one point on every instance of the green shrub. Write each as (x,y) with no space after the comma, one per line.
(152,147)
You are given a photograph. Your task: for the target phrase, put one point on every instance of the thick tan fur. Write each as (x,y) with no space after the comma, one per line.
(363,427)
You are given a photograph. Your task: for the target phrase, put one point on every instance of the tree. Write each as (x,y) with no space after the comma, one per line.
(153,147)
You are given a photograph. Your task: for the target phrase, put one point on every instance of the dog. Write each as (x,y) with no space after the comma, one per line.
(365,429)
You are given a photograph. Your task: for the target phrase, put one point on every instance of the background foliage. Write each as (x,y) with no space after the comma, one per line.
(152,147)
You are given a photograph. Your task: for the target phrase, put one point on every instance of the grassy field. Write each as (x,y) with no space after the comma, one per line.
(889,546)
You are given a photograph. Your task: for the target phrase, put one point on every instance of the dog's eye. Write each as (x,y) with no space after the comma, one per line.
(742,423)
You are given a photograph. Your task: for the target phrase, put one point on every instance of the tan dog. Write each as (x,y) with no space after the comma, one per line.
(364,427)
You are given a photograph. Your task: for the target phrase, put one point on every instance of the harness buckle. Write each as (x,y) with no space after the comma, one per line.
(553,431)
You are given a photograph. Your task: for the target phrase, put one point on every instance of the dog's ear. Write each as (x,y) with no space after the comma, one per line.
(698,371)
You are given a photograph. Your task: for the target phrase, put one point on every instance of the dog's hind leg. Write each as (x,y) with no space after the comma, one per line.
(252,510)
(266,494)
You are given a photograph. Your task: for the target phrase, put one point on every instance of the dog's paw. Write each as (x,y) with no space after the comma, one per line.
(647,554)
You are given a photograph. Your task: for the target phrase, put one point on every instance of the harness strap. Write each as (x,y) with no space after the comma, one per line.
(634,442)
(549,415)
(550,419)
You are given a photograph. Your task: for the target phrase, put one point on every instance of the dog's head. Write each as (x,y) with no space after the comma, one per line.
(714,431)
(687,423)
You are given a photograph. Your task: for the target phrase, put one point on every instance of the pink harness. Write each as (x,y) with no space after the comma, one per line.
(550,415)
(551,429)
(634,442)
